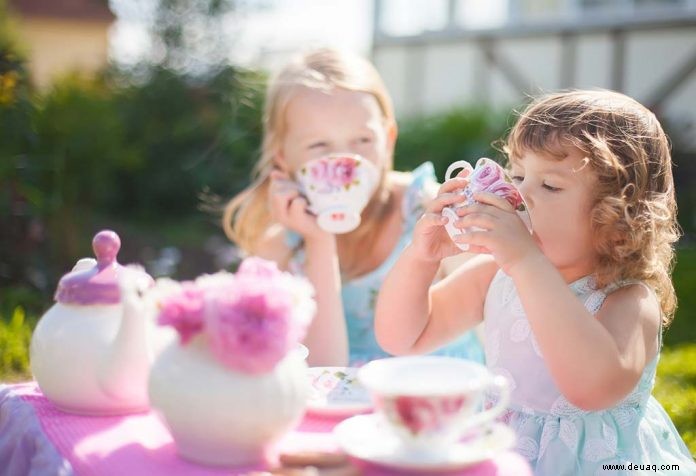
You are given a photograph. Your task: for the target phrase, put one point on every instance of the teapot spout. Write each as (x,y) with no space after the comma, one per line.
(124,371)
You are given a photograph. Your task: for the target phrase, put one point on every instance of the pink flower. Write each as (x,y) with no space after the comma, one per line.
(251,319)
(319,170)
(183,310)
(507,191)
(250,328)
(343,172)
(427,414)
(330,173)
(259,268)
(486,174)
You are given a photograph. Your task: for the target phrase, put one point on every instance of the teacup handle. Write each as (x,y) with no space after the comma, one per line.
(459,164)
(501,385)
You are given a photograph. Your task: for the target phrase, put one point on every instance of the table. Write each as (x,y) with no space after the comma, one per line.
(36,438)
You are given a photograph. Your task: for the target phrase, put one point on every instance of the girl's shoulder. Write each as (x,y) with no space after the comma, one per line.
(630,307)
(415,188)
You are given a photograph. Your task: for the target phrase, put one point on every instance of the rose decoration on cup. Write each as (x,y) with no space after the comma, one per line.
(489,177)
(338,187)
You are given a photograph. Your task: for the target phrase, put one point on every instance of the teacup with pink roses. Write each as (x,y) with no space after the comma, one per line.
(338,187)
(486,176)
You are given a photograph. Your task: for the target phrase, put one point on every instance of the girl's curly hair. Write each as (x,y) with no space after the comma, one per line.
(634,208)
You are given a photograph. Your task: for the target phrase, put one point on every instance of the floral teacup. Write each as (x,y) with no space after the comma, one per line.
(338,187)
(487,176)
(430,402)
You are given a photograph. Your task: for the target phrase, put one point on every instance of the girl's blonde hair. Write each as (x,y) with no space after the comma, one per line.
(634,210)
(247,216)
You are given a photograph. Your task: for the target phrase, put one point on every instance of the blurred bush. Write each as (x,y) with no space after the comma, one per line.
(458,134)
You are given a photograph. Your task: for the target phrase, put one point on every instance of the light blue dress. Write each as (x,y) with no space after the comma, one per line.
(359,295)
(556,437)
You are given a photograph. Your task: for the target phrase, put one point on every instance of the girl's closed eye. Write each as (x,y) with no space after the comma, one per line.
(518,179)
(318,145)
(551,188)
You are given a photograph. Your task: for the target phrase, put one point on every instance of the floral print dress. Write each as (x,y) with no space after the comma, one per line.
(360,295)
(555,436)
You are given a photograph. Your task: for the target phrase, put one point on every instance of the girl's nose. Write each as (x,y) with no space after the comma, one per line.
(524,190)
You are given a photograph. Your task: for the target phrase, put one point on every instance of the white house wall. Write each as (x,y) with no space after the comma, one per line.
(427,78)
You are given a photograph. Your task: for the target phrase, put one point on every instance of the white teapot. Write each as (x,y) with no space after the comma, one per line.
(91,352)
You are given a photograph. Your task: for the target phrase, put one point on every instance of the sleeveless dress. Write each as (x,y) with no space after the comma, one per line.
(359,295)
(555,436)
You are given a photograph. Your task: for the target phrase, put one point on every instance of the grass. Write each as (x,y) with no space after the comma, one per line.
(675,386)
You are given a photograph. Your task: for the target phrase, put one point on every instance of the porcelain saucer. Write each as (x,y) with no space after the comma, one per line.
(335,391)
(366,438)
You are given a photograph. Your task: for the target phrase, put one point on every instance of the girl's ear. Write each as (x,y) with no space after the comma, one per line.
(392,133)
(279,161)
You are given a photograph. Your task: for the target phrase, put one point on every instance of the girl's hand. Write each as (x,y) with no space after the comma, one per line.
(430,239)
(504,235)
(289,207)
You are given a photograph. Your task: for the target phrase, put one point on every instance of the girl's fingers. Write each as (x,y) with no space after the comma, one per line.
(479,249)
(433,219)
(452,184)
(298,208)
(475,239)
(277,174)
(441,201)
(481,220)
(279,184)
(494,200)
(279,203)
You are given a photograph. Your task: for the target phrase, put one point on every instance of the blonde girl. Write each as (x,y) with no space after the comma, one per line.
(574,312)
(321,103)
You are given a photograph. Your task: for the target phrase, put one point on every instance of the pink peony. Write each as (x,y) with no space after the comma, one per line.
(507,191)
(183,310)
(249,329)
(251,319)
(259,268)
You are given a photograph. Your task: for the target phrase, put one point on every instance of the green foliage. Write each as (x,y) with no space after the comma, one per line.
(683,327)
(191,137)
(675,388)
(460,134)
(15,335)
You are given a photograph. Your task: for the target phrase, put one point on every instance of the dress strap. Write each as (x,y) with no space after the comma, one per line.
(412,206)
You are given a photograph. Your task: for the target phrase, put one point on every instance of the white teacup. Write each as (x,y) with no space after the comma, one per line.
(487,176)
(338,188)
(430,402)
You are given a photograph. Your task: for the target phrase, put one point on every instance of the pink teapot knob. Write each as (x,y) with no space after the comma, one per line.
(95,284)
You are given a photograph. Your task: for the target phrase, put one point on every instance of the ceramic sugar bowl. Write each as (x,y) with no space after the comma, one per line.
(91,351)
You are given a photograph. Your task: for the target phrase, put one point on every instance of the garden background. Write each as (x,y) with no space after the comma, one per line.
(153,151)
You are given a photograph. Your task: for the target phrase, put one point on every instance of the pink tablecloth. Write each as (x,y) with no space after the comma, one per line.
(141,445)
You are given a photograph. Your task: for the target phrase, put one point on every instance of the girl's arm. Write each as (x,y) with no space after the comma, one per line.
(594,361)
(327,336)
(412,317)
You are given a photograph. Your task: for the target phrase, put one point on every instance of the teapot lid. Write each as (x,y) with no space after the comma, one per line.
(97,284)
